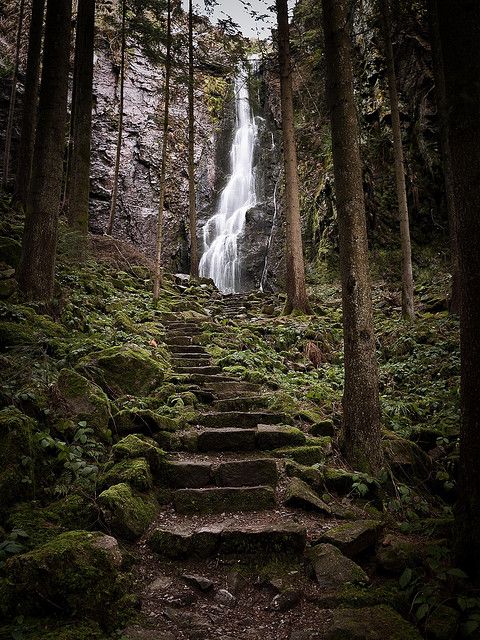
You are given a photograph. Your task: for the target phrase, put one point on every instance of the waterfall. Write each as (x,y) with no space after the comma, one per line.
(222,231)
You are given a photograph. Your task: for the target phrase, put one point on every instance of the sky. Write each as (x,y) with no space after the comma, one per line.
(238,12)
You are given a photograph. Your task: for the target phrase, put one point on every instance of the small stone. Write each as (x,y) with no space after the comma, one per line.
(204,584)
(285,601)
(161,583)
(225,598)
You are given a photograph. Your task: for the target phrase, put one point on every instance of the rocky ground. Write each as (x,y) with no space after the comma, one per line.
(175,472)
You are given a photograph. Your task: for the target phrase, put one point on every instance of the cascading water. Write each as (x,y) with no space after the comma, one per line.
(222,231)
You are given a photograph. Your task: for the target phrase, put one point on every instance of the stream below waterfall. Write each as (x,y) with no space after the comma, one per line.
(221,233)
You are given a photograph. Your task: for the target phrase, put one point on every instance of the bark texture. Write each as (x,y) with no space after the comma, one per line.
(37,263)
(158,280)
(437,55)
(295,267)
(459,23)
(116,171)
(408,307)
(13,95)
(191,150)
(30,100)
(79,168)
(361,407)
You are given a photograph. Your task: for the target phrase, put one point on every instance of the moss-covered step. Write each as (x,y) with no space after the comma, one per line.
(226,440)
(242,403)
(259,539)
(353,538)
(230,388)
(208,370)
(223,499)
(189,474)
(305,454)
(179,341)
(209,378)
(369,623)
(273,437)
(247,419)
(199,360)
(238,473)
(187,348)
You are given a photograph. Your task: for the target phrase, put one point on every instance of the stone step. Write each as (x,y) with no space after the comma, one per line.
(183,326)
(179,333)
(179,341)
(187,348)
(264,438)
(228,538)
(223,499)
(242,403)
(204,361)
(242,419)
(198,355)
(202,378)
(195,474)
(233,388)
(209,370)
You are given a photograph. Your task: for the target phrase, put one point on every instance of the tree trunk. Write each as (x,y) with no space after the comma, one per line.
(459,23)
(191,150)
(13,95)
(297,300)
(37,263)
(30,100)
(113,204)
(79,171)
(158,278)
(408,307)
(361,407)
(437,55)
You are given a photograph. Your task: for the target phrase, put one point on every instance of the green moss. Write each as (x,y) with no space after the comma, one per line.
(126,513)
(144,420)
(306,455)
(135,472)
(133,446)
(81,400)
(127,369)
(75,573)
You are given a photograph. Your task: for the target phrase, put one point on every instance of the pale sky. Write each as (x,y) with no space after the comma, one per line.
(239,13)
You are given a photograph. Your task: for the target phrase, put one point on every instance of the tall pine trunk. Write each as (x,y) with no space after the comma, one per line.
(30,101)
(295,268)
(78,184)
(37,263)
(116,171)
(191,150)
(459,22)
(408,306)
(437,55)
(361,407)
(13,95)
(158,277)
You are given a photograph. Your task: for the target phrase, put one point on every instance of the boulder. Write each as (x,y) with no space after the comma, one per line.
(82,400)
(126,513)
(333,569)
(76,573)
(126,369)
(405,456)
(135,472)
(299,495)
(353,538)
(370,623)
(144,421)
(133,446)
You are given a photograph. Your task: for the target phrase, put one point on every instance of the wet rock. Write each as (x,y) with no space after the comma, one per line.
(286,600)
(225,598)
(352,538)
(370,623)
(199,582)
(333,569)
(299,495)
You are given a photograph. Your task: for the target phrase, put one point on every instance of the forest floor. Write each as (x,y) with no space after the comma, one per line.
(203,435)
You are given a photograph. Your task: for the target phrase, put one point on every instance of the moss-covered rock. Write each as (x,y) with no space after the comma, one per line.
(370,623)
(332,569)
(82,400)
(76,573)
(144,421)
(353,538)
(10,251)
(405,456)
(299,495)
(134,471)
(16,441)
(126,513)
(133,446)
(305,455)
(126,369)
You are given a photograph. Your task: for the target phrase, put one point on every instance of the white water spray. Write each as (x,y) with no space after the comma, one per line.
(222,231)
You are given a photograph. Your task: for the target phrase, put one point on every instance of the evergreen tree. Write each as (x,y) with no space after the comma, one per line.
(37,263)
(459,23)
(295,268)
(30,101)
(361,405)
